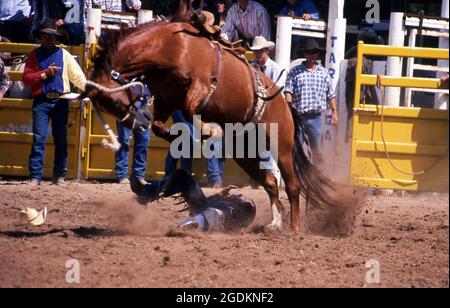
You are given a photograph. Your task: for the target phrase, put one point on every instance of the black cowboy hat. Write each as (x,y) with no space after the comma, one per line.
(370,37)
(312,46)
(48,27)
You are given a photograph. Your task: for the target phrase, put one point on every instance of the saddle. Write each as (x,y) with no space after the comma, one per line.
(204,22)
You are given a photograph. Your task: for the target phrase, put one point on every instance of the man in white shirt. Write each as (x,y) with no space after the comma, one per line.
(261,49)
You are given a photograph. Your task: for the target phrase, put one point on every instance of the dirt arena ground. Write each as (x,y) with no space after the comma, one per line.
(119,243)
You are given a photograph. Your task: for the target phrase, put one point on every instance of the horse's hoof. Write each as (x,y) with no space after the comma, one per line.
(273,229)
(295,230)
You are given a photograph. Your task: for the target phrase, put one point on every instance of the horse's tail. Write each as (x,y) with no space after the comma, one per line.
(315,187)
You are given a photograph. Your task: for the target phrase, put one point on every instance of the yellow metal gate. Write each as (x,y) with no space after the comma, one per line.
(395,147)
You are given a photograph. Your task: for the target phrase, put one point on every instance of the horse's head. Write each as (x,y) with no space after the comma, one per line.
(128,100)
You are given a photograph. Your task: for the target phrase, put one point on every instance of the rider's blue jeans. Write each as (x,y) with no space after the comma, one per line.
(215,166)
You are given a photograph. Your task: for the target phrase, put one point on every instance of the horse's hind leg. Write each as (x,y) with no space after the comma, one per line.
(291,180)
(270,184)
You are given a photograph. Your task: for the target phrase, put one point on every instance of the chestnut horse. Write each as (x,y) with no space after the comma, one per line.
(179,63)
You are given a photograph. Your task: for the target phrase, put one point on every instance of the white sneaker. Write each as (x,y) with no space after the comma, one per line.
(59,181)
(34,184)
(124,181)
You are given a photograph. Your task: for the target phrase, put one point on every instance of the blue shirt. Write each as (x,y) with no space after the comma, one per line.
(300,8)
(14,10)
(310,89)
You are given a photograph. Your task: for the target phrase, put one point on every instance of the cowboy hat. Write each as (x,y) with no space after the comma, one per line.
(207,19)
(48,27)
(312,46)
(260,42)
(33,217)
(370,37)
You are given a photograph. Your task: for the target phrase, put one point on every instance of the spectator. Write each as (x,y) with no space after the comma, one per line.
(220,11)
(140,150)
(45,10)
(76,24)
(305,9)
(49,70)
(246,20)
(261,49)
(301,8)
(309,89)
(4,80)
(15,20)
(114,5)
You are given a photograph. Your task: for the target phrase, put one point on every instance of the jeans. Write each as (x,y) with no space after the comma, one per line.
(171,162)
(141,143)
(314,128)
(215,166)
(44,110)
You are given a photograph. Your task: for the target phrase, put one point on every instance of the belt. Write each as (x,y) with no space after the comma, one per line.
(52,95)
(311,113)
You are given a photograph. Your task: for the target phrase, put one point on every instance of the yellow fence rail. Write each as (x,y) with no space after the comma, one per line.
(395,147)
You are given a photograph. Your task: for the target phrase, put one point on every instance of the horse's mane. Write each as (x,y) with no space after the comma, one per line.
(182,11)
(108,42)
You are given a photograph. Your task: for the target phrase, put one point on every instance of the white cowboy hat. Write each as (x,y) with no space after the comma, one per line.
(33,217)
(260,42)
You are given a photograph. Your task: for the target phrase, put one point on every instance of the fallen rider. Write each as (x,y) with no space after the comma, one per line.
(221,212)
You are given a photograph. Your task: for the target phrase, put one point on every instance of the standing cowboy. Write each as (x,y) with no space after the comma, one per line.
(261,49)
(309,89)
(49,70)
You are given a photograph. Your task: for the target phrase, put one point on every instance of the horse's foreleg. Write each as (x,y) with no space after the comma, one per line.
(197,92)
(161,115)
